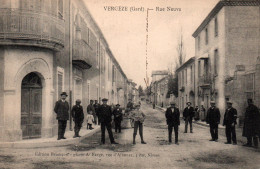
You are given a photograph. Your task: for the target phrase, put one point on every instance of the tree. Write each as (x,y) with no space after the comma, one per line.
(172,85)
(180,52)
(141,91)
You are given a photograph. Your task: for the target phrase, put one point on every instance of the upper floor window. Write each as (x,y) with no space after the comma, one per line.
(191,74)
(198,42)
(216,27)
(206,36)
(60,8)
(216,59)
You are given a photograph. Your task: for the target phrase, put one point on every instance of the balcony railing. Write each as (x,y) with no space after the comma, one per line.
(83,56)
(19,27)
(205,81)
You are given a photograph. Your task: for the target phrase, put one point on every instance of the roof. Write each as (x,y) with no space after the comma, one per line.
(219,6)
(191,60)
(159,72)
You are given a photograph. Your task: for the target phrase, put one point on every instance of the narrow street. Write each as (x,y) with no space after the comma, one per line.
(194,151)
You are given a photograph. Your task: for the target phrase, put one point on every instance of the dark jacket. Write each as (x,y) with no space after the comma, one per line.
(118,116)
(104,113)
(188,112)
(96,107)
(213,116)
(62,110)
(230,116)
(172,118)
(252,122)
(77,113)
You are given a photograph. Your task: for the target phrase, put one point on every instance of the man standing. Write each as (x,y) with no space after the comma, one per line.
(78,117)
(62,111)
(96,106)
(91,110)
(213,119)
(251,124)
(230,118)
(118,117)
(173,121)
(104,114)
(188,114)
(129,108)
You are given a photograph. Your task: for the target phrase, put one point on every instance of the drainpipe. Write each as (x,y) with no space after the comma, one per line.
(70,61)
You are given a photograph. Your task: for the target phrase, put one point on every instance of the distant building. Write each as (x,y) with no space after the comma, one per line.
(186,83)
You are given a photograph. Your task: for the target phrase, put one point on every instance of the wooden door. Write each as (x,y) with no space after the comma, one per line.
(31,107)
(31,120)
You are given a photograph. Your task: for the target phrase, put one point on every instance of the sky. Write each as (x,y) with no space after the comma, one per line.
(126,32)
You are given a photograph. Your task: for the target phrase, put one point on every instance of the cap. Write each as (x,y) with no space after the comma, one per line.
(117,104)
(212,102)
(78,101)
(188,103)
(63,93)
(104,99)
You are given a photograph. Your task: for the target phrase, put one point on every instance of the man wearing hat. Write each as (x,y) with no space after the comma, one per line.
(251,129)
(188,115)
(229,121)
(91,110)
(78,117)
(213,119)
(118,117)
(105,117)
(62,111)
(173,121)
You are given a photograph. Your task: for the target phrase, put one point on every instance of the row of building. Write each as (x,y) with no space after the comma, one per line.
(226,65)
(47,47)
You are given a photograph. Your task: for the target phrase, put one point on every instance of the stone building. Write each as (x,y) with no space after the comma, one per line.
(186,83)
(226,43)
(47,47)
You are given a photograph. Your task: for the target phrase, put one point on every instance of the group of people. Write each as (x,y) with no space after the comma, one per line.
(251,128)
(97,114)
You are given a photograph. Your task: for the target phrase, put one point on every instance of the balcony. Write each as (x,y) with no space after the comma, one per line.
(19,27)
(205,81)
(83,56)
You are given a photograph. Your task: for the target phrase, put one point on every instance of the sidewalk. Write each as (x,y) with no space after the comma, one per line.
(51,142)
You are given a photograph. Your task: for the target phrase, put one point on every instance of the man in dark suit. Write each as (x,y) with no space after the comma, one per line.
(104,114)
(91,109)
(251,129)
(173,121)
(62,111)
(118,117)
(230,122)
(96,107)
(213,119)
(188,115)
(78,117)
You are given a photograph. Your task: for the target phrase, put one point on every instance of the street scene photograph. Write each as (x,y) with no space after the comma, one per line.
(129,84)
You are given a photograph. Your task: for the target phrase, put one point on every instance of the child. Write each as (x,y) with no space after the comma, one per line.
(138,117)
(90,120)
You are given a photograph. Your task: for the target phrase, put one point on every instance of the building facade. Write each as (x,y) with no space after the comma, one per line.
(226,43)
(47,47)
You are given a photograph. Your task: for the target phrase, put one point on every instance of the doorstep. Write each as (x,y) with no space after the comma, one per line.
(52,142)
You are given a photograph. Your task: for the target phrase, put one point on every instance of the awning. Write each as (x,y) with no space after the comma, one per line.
(204,56)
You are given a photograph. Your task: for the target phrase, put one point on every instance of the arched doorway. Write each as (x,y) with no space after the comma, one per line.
(31,106)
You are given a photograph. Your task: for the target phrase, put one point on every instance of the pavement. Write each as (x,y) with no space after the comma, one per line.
(52,142)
